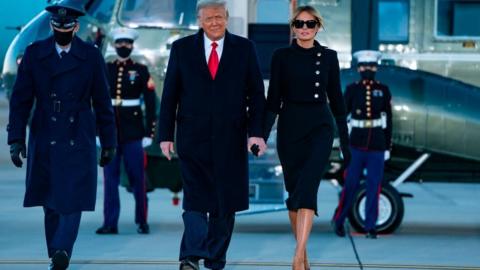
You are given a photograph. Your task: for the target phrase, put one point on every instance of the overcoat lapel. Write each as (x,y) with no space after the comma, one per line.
(53,63)
(200,54)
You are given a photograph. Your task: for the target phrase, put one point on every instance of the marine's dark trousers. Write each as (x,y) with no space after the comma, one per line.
(61,230)
(207,236)
(373,161)
(133,158)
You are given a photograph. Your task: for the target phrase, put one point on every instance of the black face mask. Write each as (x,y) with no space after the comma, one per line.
(367,74)
(123,52)
(63,38)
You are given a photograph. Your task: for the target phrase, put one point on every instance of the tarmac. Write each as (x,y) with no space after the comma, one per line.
(440,230)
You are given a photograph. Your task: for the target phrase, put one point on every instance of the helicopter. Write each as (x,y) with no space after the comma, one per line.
(430,61)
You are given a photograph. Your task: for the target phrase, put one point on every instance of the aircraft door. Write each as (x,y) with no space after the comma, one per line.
(434,101)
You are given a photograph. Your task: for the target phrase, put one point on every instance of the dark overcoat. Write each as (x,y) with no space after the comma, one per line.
(62,161)
(213,119)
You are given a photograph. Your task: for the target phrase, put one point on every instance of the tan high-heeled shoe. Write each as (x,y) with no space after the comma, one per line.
(298,264)
(307,265)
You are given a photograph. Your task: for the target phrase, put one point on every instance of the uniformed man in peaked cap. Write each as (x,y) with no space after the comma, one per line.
(129,82)
(67,79)
(369,104)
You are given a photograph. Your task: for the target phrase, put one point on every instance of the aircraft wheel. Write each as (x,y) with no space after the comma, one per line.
(390,211)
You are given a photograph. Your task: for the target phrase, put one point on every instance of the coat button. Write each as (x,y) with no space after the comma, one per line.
(72,142)
(317,72)
(53,118)
(315,96)
(319,54)
(53,142)
(72,119)
(317,63)
(53,94)
(317,84)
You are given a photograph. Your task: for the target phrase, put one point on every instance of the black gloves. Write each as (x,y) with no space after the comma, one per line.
(106,156)
(17,148)
(268,122)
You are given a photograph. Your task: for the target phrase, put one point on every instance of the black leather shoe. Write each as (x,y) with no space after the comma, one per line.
(60,260)
(189,265)
(107,230)
(338,229)
(372,234)
(143,228)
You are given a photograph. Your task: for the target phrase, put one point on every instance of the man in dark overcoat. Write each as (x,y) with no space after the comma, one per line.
(65,77)
(214,95)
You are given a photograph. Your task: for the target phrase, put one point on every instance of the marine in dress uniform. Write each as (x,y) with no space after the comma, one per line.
(65,77)
(129,82)
(369,104)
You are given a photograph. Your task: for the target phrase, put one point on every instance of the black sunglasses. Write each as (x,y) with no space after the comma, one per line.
(310,24)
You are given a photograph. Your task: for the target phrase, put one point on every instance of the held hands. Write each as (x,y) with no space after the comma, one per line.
(146,142)
(167,149)
(256,146)
(106,156)
(16,149)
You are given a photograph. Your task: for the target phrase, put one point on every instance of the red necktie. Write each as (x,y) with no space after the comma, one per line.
(213,60)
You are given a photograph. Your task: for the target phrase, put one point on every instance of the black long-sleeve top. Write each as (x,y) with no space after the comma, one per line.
(300,75)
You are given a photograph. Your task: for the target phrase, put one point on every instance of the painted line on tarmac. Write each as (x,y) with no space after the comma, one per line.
(249,263)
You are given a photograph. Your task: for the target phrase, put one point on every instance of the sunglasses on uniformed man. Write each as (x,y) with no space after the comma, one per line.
(310,23)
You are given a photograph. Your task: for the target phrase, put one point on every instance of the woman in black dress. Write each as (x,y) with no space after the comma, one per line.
(305,92)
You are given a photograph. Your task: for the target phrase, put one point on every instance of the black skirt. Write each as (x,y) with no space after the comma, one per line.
(304,142)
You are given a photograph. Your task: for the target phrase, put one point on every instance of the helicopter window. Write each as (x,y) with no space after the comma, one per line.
(455,17)
(272,11)
(101,10)
(393,16)
(154,13)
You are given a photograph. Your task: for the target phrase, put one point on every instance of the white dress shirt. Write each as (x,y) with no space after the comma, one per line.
(208,47)
(59,49)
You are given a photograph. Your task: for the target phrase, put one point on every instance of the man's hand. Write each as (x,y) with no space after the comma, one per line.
(106,156)
(167,149)
(16,149)
(146,142)
(258,141)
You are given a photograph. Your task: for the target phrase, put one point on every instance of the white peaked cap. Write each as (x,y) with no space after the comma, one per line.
(367,56)
(124,33)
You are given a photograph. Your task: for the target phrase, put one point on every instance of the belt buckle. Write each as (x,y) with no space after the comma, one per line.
(368,123)
(56,105)
(118,102)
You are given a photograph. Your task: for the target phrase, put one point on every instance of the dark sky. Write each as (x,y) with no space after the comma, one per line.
(14,13)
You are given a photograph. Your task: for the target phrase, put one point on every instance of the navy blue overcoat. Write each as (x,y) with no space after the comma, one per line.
(213,118)
(61,151)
